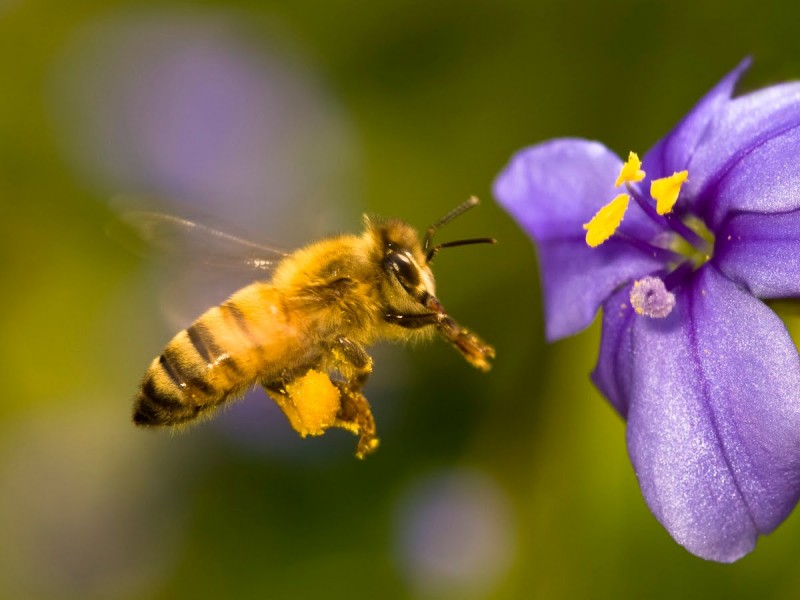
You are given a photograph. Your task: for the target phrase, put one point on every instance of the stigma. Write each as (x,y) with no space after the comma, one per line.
(650,298)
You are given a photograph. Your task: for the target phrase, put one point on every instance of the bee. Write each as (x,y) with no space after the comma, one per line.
(303,333)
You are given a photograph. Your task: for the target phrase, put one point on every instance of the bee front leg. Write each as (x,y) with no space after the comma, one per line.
(413,321)
(476,351)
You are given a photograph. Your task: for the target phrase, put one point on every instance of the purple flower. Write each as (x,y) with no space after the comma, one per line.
(696,236)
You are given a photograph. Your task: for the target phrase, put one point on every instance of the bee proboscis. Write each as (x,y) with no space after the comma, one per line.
(303,333)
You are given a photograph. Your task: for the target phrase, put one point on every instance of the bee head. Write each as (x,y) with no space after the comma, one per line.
(408,278)
(405,263)
(406,259)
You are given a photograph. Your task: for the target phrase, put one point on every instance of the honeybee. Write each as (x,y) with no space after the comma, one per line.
(303,333)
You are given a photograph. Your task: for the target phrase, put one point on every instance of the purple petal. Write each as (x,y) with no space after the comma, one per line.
(674,152)
(766,179)
(762,253)
(612,378)
(553,189)
(714,418)
(577,279)
(741,129)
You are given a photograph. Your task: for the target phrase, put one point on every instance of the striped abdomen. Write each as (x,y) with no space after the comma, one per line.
(222,353)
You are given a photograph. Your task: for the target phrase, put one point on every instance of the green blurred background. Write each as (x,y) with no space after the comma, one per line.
(286,121)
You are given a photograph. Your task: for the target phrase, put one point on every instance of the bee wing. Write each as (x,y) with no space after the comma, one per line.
(170,236)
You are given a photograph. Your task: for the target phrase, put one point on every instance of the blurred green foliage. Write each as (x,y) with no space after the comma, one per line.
(438,95)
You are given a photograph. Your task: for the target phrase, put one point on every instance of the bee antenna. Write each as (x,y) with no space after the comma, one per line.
(457,211)
(432,252)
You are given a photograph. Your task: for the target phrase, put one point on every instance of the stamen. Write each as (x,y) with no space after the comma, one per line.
(650,298)
(631,171)
(665,191)
(606,221)
(665,255)
(670,221)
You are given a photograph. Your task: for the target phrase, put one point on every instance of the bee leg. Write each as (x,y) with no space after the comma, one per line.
(278,385)
(355,415)
(352,360)
(277,391)
(475,351)
(413,321)
(311,402)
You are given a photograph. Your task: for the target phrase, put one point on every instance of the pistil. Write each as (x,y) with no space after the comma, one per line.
(650,298)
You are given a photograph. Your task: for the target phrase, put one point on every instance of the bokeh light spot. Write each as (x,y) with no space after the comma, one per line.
(455,534)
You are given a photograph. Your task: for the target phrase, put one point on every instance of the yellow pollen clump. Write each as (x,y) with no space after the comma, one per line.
(665,191)
(631,171)
(606,221)
(316,403)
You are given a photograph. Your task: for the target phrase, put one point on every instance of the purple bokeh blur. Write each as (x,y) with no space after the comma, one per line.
(195,113)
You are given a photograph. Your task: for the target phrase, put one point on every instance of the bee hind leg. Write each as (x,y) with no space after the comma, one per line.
(310,401)
(278,390)
(313,403)
(355,415)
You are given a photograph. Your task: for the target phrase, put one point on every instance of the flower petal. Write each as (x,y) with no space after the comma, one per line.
(765,179)
(553,189)
(741,128)
(714,418)
(762,252)
(576,279)
(613,378)
(674,151)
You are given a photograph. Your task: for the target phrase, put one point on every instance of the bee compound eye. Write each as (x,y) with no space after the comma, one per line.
(404,269)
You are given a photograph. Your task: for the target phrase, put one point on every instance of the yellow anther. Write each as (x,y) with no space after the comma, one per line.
(631,171)
(665,191)
(606,221)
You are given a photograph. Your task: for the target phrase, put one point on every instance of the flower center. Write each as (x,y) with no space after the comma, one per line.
(686,245)
(700,249)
